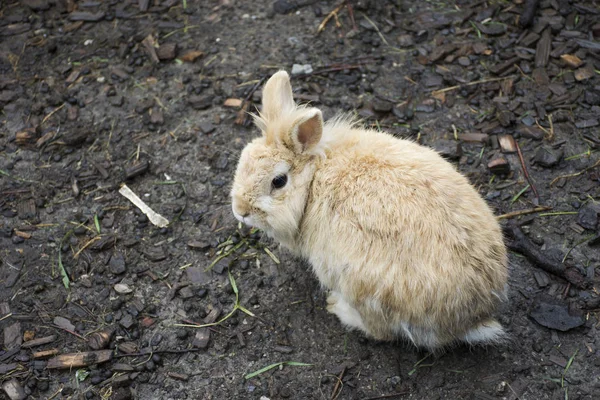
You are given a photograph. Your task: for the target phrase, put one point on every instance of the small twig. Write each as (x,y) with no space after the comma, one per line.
(52,113)
(536,200)
(92,240)
(329,16)
(71,332)
(523,212)
(335,393)
(521,244)
(351,13)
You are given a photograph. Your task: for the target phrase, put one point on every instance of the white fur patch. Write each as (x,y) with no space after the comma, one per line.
(281,168)
(346,313)
(488,332)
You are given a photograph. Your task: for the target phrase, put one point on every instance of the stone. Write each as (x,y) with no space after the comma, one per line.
(301,69)
(200,102)
(381,106)
(588,216)
(554,314)
(548,157)
(201,339)
(117,264)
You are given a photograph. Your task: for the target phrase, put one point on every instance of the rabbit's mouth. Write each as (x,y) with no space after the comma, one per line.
(246,219)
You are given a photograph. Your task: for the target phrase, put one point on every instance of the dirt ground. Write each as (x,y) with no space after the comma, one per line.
(95,94)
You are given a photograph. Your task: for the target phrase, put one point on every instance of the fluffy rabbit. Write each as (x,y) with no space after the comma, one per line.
(404,243)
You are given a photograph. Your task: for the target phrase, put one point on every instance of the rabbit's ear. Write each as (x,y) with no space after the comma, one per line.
(307,130)
(277,97)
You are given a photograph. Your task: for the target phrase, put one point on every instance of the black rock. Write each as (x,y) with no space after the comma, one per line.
(284,6)
(548,157)
(127,321)
(554,314)
(206,127)
(117,264)
(592,98)
(588,217)
(382,106)
(200,102)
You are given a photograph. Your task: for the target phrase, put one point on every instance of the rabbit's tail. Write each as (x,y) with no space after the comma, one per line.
(487,332)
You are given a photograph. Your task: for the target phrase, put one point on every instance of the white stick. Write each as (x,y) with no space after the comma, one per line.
(153,216)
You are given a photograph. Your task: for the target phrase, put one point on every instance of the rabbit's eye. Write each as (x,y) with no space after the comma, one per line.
(279,181)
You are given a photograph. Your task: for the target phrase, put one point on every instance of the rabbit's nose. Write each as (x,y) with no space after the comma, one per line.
(241,208)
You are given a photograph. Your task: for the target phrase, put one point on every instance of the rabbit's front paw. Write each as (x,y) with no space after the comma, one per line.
(348,315)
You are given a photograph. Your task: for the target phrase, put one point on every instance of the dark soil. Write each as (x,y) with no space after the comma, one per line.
(96,94)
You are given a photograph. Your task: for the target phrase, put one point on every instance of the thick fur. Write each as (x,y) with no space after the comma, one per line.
(402,240)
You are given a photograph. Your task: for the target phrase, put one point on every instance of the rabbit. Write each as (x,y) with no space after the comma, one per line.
(403,242)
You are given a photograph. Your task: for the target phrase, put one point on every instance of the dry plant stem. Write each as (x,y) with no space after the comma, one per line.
(338,382)
(329,16)
(523,212)
(526,173)
(351,13)
(448,89)
(575,174)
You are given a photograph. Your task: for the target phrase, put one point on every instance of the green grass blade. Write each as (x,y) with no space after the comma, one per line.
(512,201)
(233,285)
(96,222)
(246,311)
(63,272)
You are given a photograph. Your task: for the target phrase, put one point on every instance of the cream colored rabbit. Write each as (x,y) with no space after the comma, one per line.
(404,243)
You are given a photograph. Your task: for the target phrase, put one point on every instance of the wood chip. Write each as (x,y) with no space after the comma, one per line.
(26,137)
(572,60)
(149,46)
(584,73)
(191,55)
(14,390)
(122,367)
(64,323)
(24,235)
(542,51)
(137,169)
(201,339)
(233,102)
(499,166)
(45,353)
(86,16)
(474,137)
(507,143)
(167,51)
(39,342)
(12,336)
(212,316)
(128,347)
(153,216)
(99,340)
(84,359)
(178,376)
